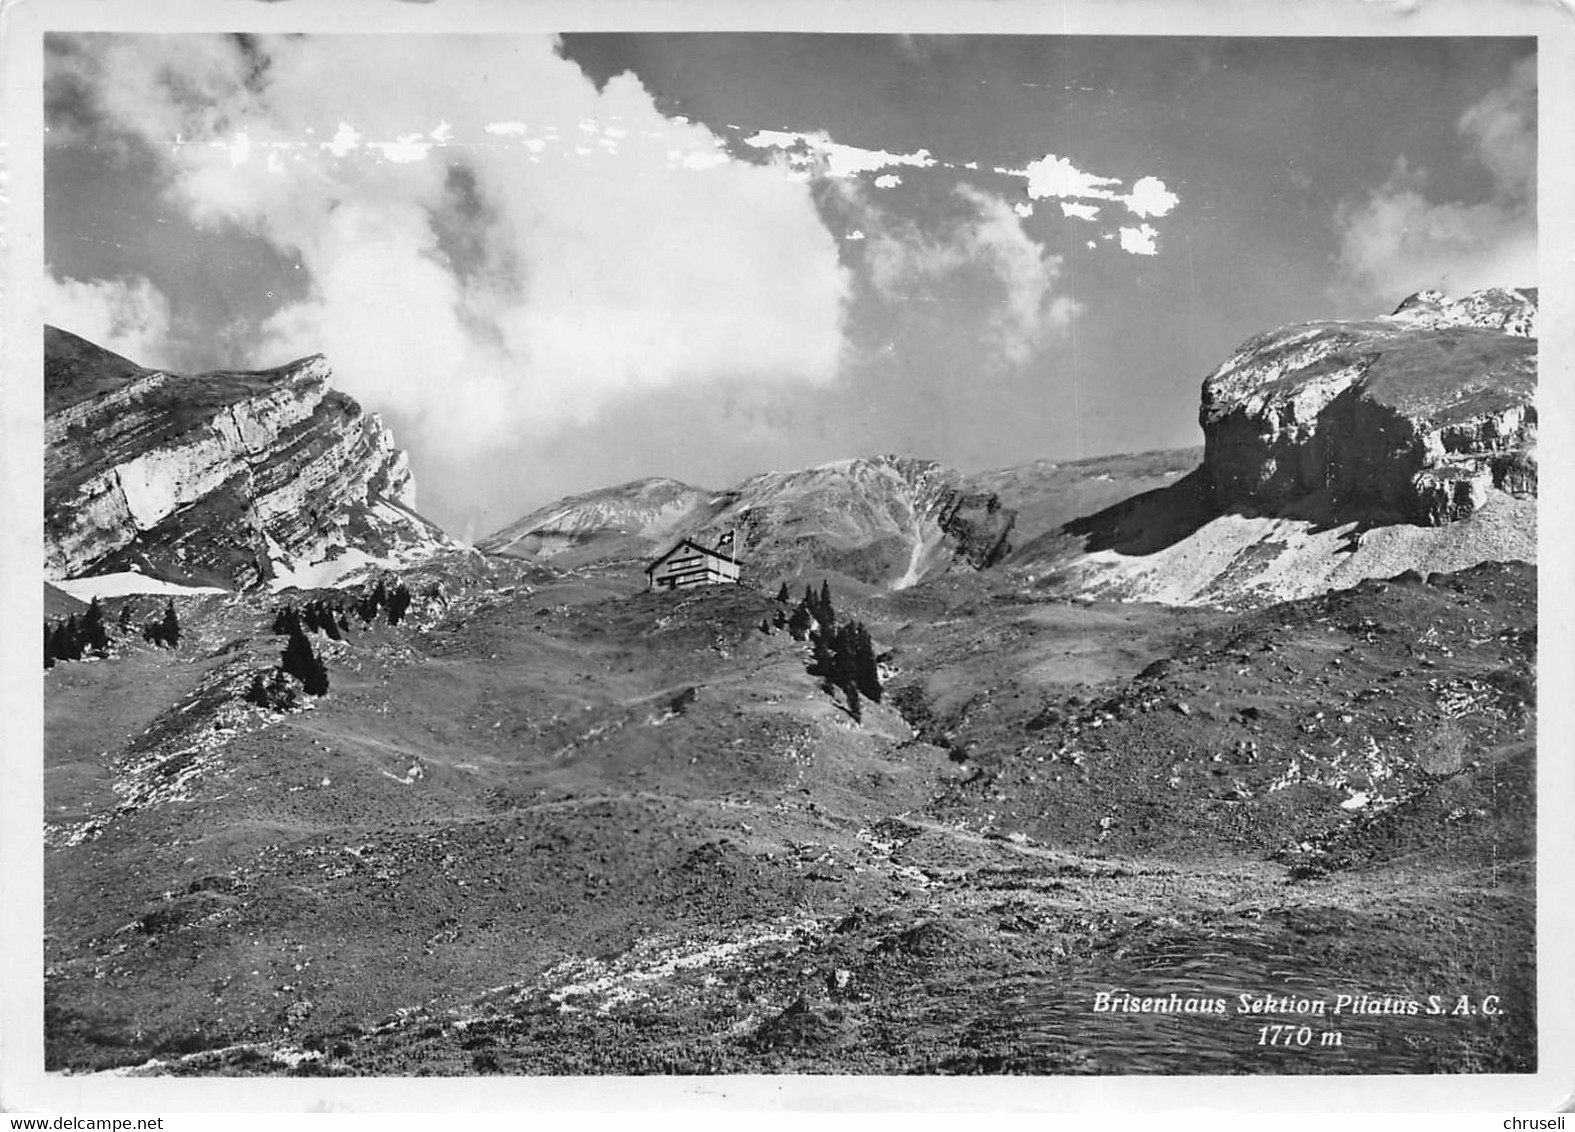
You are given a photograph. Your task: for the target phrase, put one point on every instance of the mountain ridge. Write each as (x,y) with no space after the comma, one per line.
(233,477)
(1333,451)
(882,520)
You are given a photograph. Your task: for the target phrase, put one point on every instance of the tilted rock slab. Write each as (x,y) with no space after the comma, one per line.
(228,478)
(1419,413)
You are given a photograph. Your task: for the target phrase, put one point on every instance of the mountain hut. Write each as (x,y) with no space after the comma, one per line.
(690,564)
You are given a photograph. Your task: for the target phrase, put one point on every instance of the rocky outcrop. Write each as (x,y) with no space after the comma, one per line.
(1419,414)
(978,524)
(230,478)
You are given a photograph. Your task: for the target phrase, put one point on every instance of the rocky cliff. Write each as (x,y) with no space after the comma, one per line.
(1417,415)
(230,478)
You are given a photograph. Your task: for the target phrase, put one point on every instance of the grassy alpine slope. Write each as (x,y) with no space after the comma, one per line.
(550,824)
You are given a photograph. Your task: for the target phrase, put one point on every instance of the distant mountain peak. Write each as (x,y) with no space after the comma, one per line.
(886,520)
(647,509)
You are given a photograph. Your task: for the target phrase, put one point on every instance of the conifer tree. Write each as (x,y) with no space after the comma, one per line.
(825,614)
(398,602)
(845,660)
(94,635)
(170,628)
(258,692)
(867,671)
(300,661)
(316,681)
(124,622)
(798,624)
(71,639)
(285,619)
(824,664)
(782,594)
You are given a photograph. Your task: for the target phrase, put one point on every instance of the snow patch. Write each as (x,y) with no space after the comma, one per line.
(315,575)
(129,582)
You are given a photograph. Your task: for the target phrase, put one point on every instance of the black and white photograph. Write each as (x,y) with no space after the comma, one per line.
(624,553)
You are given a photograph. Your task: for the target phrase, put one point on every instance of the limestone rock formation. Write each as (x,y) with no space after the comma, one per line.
(1418,414)
(229,478)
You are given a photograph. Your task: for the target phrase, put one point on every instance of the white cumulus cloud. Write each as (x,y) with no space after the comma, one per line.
(1053,176)
(1032,310)
(482,284)
(1150,197)
(816,152)
(1400,239)
(1139,240)
(130,317)
(1056,177)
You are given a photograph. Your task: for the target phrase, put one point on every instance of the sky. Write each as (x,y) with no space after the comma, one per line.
(555,263)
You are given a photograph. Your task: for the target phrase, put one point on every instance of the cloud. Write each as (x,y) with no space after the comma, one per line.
(1399,239)
(815,153)
(1053,176)
(1056,177)
(1150,197)
(1033,311)
(495,247)
(989,239)
(1139,240)
(129,317)
(815,156)
(1504,127)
